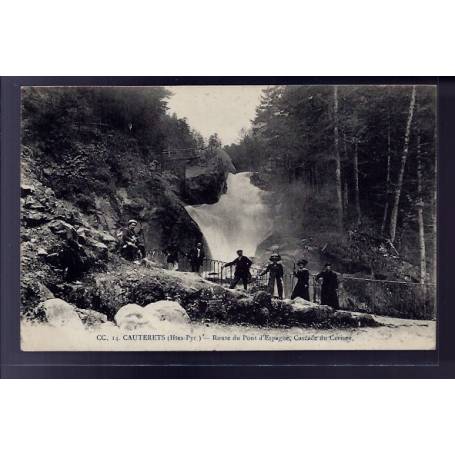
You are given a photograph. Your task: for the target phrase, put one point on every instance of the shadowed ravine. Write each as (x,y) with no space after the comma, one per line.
(239,220)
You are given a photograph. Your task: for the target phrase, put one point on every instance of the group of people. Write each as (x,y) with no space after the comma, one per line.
(195,256)
(327,277)
(132,248)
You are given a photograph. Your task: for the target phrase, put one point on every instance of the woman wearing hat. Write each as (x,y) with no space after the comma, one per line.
(302,288)
(276,273)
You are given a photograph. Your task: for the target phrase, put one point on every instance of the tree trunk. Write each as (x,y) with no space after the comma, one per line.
(346,197)
(337,158)
(387,184)
(404,156)
(423,256)
(356,181)
(345,186)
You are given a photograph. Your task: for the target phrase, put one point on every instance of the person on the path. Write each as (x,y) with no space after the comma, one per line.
(131,247)
(242,269)
(329,287)
(302,287)
(172,256)
(196,257)
(276,272)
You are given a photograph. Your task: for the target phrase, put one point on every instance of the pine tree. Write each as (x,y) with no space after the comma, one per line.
(337,158)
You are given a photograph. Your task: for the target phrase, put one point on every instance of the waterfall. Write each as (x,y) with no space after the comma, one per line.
(239,220)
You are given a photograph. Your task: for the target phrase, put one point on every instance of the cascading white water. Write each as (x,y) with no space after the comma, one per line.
(239,220)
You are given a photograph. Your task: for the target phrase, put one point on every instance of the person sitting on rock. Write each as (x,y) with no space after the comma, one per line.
(302,288)
(276,272)
(131,247)
(329,287)
(196,257)
(242,269)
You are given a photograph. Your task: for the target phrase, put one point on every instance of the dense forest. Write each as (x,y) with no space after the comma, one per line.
(350,161)
(86,127)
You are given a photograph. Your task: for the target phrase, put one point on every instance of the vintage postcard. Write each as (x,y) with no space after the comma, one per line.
(201,218)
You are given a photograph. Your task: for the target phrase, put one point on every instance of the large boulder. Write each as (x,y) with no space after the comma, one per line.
(161,314)
(204,187)
(166,312)
(131,317)
(302,301)
(262,299)
(307,313)
(282,312)
(256,309)
(212,302)
(229,306)
(343,319)
(205,182)
(59,313)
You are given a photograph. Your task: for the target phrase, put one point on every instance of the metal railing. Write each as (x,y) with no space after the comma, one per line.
(212,270)
(403,299)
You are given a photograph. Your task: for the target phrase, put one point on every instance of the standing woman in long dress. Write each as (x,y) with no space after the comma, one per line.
(329,287)
(302,288)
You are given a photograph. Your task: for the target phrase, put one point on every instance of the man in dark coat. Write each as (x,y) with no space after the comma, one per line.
(196,257)
(276,272)
(131,247)
(242,269)
(329,287)
(302,288)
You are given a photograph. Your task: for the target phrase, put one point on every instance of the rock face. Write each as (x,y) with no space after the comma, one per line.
(204,187)
(62,243)
(205,184)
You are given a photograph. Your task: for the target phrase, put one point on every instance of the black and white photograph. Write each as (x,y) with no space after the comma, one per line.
(227,227)
(228,217)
